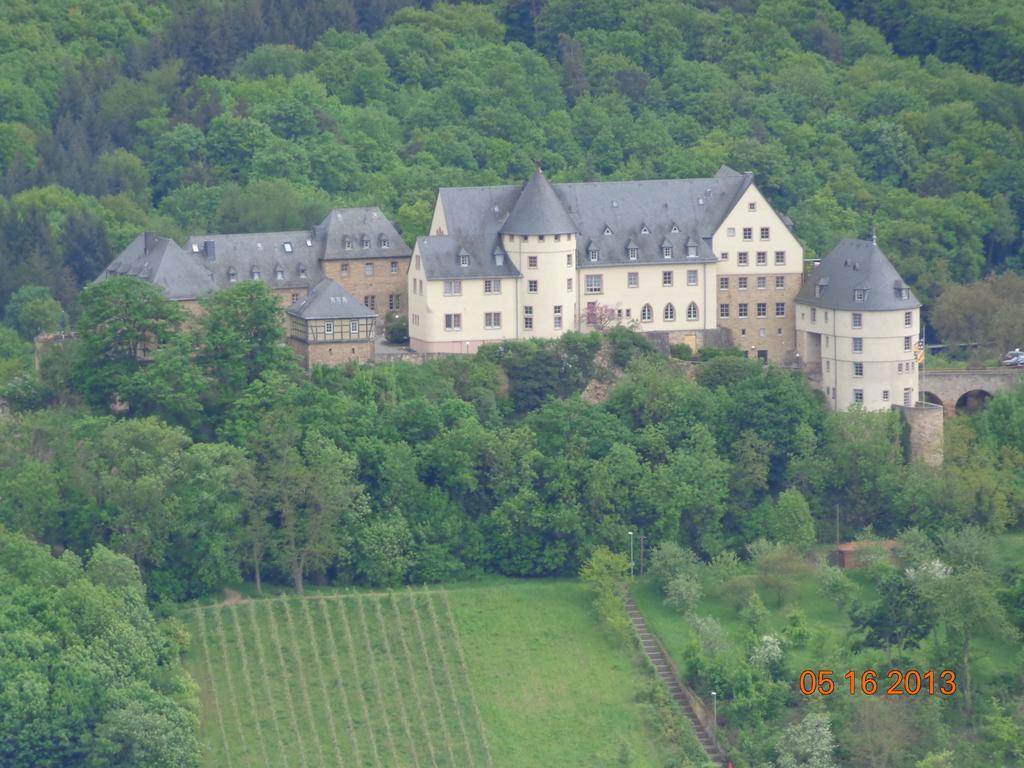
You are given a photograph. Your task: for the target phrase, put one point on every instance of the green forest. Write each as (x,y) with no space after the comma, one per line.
(157,475)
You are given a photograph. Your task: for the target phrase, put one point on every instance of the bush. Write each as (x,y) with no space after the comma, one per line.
(710,353)
(627,345)
(670,560)
(396,330)
(681,351)
(683,592)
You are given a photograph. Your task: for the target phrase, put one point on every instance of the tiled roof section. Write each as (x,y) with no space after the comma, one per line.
(257,255)
(442,259)
(329,301)
(538,211)
(162,262)
(856,268)
(671,209)
(356,226)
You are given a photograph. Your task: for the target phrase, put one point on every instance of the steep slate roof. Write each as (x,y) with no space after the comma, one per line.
(441,259)
(856,265)
(329,301)
(162,262)
(263,250)
(538,211)
(208,262)
(694,208)
(355,223)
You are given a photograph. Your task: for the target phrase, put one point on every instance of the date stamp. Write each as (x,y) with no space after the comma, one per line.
(897,682)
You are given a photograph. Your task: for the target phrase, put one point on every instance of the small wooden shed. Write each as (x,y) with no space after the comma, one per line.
(851,554)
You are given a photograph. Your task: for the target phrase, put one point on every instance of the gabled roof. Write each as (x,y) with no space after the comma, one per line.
(441,257)
(162,262)
(262,252)
(329,301)
(856,265)
(357,224)
(695,208)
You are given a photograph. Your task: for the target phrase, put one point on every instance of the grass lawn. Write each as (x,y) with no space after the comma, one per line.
(498,673)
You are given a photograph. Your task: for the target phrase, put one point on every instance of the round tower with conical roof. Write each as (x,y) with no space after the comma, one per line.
(539,237)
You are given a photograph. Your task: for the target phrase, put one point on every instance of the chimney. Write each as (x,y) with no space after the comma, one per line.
(210,250)
(148,242)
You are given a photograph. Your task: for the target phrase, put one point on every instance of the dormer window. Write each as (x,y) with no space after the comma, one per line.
(384,242)
(691,251)
(302,271)
(287,247)
(608,230)
(348,244)
(463,259)
(644,230)
(255,273)
(232,275)
(279,273)
(593,253)
(905,294)
(817,291)
(366,242)
(499,258)
(675,230)
(859,294)
(195,247)
(309,243)
(633,253)
(666,251)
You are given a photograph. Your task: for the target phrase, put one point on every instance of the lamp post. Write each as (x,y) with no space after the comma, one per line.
(714,702)
(630,554)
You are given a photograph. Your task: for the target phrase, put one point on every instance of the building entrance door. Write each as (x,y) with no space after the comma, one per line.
(762,355)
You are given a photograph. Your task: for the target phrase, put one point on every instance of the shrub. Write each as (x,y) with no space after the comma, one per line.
(683,592)
(681,351)
(627,344)
(710,353)
(670,560)
(396,331)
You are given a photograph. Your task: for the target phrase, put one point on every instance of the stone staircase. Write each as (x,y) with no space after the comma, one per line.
(667,674)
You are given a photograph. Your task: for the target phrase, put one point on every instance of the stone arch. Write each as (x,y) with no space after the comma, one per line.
(972,401)
(931,397)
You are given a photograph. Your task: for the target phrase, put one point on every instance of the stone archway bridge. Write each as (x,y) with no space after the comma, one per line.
(948,386)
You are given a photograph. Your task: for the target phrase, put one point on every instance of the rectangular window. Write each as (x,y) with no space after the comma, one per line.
(899,367)
(743,258)
(369,269)
(780,309)
(858,294)
(814,315)
(762,309)
(765,233)
(762,258)
(492,320)
(558,316)
(492,286)
(392,302)
(885,395)
(633,280)
(762,283)
(780,282)
(858,395)
(723,311)
(528,318)
(295,298)
(531,286)
(741,283)
(592,284)
(592,254)
(725,256)
(568,285)
(751,207)
(394,267)
(329,328)
(748,233)
(353,327)
(568,259)
(453,322)
(828,366)
(857,319)
(858,344)
(780,258)
(666,279)
(540,238)
(531,262)
(858,369)
(344,270)
(691,277)
(908,396)
(723,283)
(452,287)
(741,310)
(908,319)
(908,342)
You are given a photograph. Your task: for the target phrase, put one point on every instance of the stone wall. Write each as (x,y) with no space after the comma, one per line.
(925,424)
(382,284)
(332,354)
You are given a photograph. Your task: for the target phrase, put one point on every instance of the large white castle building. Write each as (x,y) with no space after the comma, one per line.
(699,261)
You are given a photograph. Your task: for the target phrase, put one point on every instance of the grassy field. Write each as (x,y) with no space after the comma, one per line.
(495,674)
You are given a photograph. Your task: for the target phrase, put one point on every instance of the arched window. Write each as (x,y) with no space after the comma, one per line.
(691,311)
(670,312)
(647,313)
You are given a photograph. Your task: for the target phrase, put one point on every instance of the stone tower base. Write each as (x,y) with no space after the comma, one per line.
(924,423)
